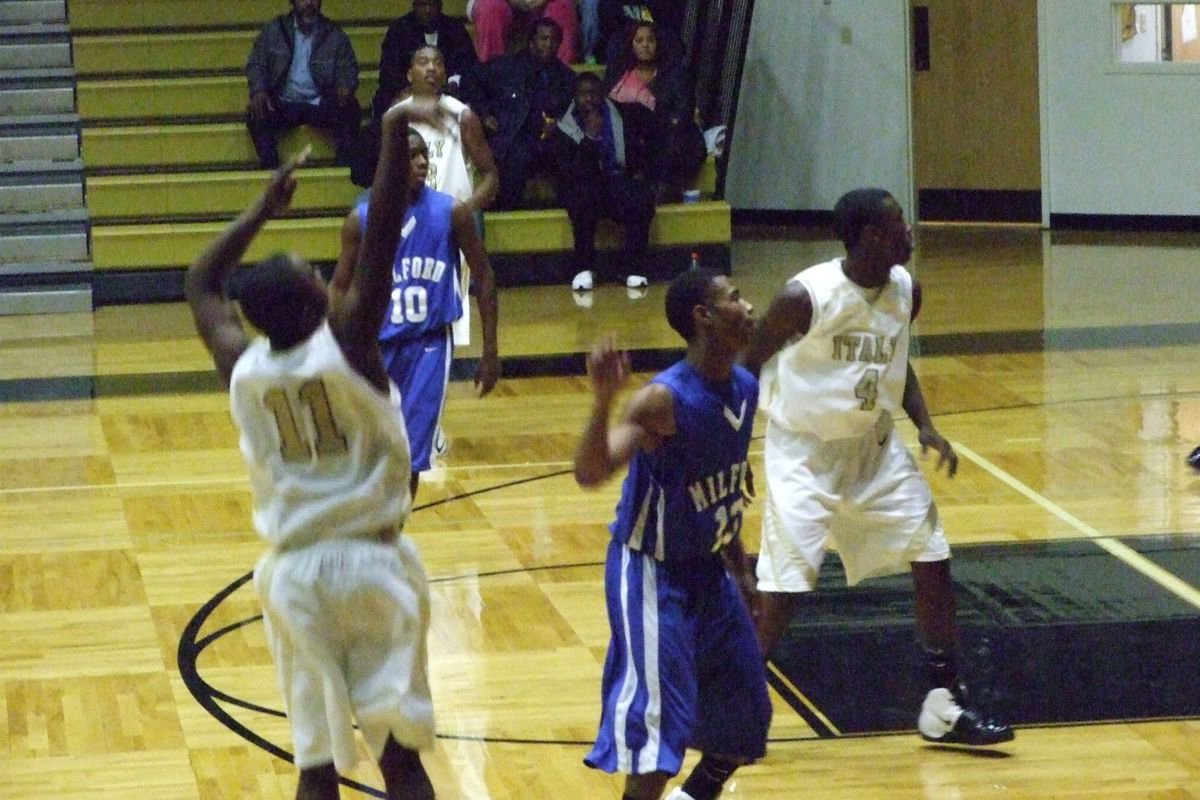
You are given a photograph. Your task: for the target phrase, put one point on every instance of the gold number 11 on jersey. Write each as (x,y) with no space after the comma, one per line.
(293,444)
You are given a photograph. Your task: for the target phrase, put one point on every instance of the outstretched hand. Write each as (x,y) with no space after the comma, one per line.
(608,368)
(278,194)
(930,438)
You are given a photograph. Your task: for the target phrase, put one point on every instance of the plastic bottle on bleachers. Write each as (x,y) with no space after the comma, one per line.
(695,259)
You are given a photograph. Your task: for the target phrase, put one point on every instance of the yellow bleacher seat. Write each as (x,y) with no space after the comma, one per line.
(182,97)
(112,15)
(133,53)
(124,247)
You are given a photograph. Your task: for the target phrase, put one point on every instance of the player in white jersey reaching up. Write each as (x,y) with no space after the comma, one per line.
(345,599)
(833,354)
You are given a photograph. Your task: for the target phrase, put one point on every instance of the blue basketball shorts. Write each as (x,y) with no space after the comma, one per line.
(683,667)
(420,369)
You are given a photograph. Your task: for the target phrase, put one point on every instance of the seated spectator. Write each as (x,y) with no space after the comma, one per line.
(520,98)
(614,16)
(302,71)
(657,98)
(495,20)
(424,25)
(600,175)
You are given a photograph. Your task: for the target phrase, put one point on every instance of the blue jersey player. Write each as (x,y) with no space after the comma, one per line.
(683,667)
(426,299)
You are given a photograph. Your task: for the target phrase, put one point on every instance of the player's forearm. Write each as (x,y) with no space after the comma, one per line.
(385,214)
(486,188)
(914,401)
(593,456)
(206,276)
(489,313)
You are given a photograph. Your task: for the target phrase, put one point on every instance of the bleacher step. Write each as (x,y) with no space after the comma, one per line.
(39,299)
(95,16)
(36,100)
(54,219)
(23,12)
(30,53)
(18,199)
(33,245)
(159,245)
(8,269)
(166,54)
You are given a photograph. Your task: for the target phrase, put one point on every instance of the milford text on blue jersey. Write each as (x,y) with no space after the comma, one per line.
(428,269)
(717,486)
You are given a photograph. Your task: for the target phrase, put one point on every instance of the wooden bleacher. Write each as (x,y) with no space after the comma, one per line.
(161,96)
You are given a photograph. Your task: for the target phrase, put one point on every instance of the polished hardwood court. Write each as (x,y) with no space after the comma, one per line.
(132,663)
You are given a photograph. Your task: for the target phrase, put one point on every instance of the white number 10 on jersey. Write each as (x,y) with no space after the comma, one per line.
(410,304)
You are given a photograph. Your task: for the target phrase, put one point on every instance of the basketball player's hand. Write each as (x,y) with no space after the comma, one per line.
(278,194)
(608,368)
(930,438)
(422,109)
(487,373)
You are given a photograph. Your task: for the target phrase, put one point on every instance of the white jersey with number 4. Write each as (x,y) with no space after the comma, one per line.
(327,452)
(851,366)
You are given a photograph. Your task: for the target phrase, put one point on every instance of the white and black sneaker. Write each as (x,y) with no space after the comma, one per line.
(944,720)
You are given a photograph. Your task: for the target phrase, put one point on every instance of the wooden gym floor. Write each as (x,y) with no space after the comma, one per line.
(1064,368)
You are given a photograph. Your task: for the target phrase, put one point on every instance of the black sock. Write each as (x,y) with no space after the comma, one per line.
(708,778)
(942,669)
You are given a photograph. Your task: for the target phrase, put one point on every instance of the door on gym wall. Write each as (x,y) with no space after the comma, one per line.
(976,148)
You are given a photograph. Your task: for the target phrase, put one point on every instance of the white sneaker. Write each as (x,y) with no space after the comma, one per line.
(679,794)
(636,282)
(582,282)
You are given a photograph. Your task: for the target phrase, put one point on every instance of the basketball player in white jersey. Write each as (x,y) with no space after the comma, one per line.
(460,161)
(345,599)
(833,354)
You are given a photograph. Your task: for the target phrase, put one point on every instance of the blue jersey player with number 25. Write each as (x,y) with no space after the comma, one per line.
(426,299)
(683,667)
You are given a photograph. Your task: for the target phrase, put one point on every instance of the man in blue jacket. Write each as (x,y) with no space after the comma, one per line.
(302,71)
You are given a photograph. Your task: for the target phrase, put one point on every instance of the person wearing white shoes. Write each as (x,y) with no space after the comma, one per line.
(832,350)
(601,174)
(683,668)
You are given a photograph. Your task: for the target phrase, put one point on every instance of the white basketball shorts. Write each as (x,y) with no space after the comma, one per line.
(346,621)
(865,495)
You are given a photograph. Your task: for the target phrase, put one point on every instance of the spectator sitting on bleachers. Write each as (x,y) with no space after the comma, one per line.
(613,16)
(600,174)
(302,71)
(424,25)
(520,98)
(495,19)
(657,98)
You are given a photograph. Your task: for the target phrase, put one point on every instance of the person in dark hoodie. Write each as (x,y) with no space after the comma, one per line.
(601,174)
(424,25)
(302,71)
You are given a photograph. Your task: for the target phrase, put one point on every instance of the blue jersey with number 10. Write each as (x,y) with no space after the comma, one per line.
(426,291)
(684,499)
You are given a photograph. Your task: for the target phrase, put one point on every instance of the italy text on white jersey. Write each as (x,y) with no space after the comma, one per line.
(851,366)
